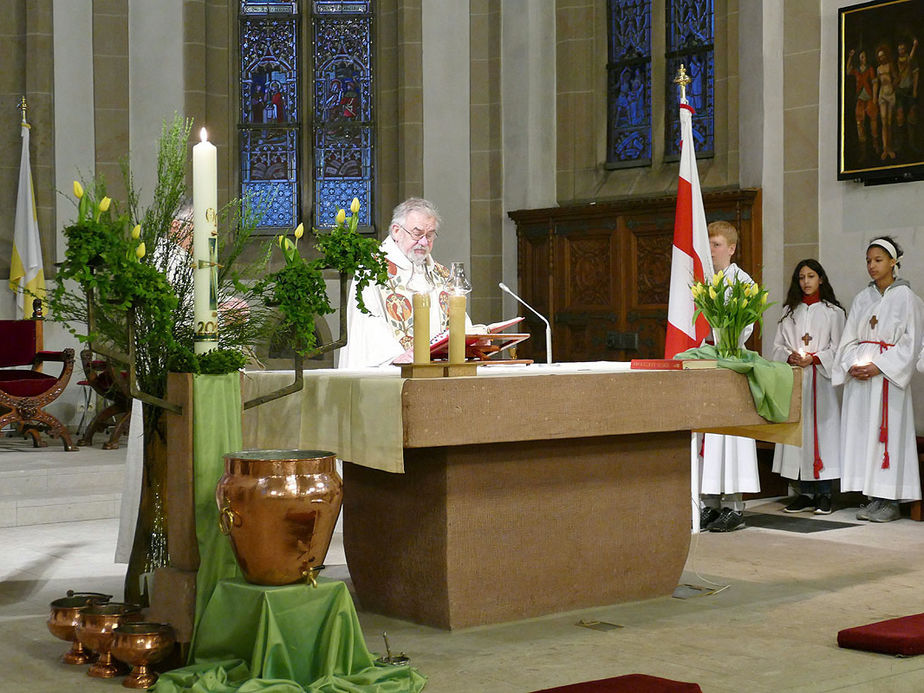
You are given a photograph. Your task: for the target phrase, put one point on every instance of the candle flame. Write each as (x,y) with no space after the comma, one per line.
(204,135)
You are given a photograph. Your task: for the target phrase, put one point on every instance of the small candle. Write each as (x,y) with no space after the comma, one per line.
(205,238)
(421,304)
(457,328)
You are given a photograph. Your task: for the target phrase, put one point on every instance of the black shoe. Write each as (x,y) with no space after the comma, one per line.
(708,515)
(802,503)
(822,505)
(728,521)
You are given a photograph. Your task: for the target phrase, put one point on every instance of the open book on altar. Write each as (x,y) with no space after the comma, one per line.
(481,342)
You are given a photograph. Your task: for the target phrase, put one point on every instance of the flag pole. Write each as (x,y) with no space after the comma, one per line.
(682,80)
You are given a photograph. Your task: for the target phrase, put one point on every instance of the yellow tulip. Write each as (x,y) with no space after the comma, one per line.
(717,278)
(763,299)
(280,239)
(695,291)
(744,303)
(78,189)
(299,230)
(354,205)
(341,216)
(104,204)
(712,293)
(136,232)
(139,251)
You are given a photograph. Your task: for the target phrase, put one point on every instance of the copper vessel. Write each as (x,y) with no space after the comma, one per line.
(279,508)
(141,644)
(63,619)
(94,630)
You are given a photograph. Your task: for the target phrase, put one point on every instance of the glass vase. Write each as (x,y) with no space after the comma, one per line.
(727,342)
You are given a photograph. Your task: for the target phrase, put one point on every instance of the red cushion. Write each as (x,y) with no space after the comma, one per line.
(899,636)
(630,683)
(17,342)
(25,383)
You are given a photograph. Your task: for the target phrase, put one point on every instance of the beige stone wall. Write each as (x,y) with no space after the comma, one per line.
(486,161)
(26,30)
(110,91)
(581,44)
(801,64)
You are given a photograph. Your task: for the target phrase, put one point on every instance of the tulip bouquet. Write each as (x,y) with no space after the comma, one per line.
(299,290)
(729,306)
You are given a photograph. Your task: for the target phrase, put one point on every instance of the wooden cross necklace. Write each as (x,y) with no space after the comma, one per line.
(806,338)
(873,322)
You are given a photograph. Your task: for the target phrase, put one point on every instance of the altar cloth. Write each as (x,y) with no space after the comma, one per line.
(286,639)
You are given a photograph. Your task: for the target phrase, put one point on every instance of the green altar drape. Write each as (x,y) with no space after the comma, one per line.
(247,638)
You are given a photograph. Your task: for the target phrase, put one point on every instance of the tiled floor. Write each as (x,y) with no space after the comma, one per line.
(772,629)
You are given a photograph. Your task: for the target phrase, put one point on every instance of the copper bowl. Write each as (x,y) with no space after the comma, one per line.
(141,644)
(63,620)
(94,630)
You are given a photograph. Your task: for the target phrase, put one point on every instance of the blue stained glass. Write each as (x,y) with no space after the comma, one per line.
(629,83)
(343,107)
(269,74)
(268,7)
(276,202)
(690,41)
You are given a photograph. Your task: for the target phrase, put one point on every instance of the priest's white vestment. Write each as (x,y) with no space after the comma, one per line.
(729,463)
(375,339)
(815,329)
(884,329)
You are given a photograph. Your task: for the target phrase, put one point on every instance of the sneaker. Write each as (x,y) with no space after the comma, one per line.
(801,504)
(708,515)
(865,510)
(887,511)
(822,505)
(728,521)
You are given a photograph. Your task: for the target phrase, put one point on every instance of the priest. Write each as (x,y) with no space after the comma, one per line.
(386,333)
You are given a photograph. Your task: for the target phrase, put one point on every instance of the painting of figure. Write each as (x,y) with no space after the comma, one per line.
(879,130)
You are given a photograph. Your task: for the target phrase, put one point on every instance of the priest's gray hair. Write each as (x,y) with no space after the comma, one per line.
(415,204)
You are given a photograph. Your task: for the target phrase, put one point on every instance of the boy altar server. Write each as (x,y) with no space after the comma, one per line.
(728,464)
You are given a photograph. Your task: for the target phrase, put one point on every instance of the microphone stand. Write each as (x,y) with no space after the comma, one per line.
(548,328)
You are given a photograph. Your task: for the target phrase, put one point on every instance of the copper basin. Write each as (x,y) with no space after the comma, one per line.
(64,617)
(279,508)
(94,630)
(141,644)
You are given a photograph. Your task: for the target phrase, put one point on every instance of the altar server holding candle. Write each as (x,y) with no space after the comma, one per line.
(875,361)
(387,332)
(808,335)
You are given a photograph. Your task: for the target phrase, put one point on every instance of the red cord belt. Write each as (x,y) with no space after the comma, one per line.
(884,415)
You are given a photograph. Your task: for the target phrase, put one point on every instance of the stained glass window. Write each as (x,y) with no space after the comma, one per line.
(270,116)
(629,83)
(343,134)
(690,41)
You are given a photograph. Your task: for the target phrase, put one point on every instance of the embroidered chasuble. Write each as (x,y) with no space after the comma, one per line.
(388,330)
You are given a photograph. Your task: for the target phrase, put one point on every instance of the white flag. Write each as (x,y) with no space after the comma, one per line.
(27,276)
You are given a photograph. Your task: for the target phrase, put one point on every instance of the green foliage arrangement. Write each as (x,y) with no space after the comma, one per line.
(298,288)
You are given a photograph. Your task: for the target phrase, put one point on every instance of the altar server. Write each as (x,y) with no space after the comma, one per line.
(728,464)
(875,361)
(808,335)
(387,331)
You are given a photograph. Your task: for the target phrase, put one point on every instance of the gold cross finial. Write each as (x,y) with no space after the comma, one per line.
(682,79)
(22,107)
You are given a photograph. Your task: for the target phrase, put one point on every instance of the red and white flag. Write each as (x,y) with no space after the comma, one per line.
(690,258)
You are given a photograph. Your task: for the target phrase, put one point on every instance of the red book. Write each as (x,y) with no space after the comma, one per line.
(672,364)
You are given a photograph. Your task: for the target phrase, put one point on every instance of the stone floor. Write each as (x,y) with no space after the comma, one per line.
(771,627)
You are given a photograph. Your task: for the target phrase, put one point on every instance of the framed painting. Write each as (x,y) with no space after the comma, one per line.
(880,123)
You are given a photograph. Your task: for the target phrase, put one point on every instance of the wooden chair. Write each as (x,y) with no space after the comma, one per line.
(25,393)
(111,385)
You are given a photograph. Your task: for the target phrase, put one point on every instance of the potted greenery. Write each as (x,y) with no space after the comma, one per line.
(127,276)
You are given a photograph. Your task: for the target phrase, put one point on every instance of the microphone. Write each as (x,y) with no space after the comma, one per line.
(548,328)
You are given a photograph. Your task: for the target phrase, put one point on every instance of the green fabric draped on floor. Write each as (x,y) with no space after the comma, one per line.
(770,381)
(248,638)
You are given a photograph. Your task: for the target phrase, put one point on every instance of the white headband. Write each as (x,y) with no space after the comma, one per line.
(886,246)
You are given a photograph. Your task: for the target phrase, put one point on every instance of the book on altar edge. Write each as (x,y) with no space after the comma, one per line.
(672,364)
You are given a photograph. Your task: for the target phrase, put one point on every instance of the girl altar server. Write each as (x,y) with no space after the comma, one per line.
(808,335)
(875,361)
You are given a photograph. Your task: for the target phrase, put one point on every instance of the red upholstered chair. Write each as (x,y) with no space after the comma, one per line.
(25,393)
(112,385)
(629,683)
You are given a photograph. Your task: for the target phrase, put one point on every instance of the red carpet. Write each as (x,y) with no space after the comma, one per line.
(897,636)
(630,683)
